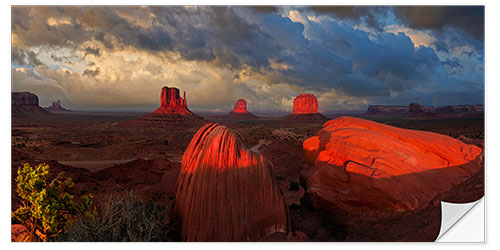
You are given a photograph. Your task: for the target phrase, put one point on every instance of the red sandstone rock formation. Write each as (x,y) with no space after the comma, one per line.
(305,109)
(56,107)
(25,104)
(173,111)
(305,104)
(172,102)
(240,111)
(226,192)
(365,169)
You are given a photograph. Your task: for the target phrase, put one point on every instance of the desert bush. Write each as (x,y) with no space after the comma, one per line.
(47,210)
(294,186)
(122,219)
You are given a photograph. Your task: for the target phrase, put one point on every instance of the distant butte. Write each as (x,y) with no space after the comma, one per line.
(56,107)
(305,109)
(240,111)
(173,111)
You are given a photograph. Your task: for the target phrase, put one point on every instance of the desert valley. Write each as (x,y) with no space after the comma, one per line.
(372,176)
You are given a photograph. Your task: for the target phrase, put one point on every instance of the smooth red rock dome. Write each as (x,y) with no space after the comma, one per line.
(305,104)
(363,168)
(226,192)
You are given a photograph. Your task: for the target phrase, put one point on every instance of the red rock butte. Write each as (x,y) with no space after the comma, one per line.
(364,168)
(240,111)
(172,102)
(56,107)
(305,104)
(226,192)
(305,109)
(240,106)
(173,111)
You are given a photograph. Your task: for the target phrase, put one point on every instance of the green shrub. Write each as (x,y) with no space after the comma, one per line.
(47,210)
(123,219)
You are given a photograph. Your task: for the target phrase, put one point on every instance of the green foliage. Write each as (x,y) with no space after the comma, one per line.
(294,186)
(123,219)
(47,209)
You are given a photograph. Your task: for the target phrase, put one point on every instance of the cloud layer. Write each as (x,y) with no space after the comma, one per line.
(100,58)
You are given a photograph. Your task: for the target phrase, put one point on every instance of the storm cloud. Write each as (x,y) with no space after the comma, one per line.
(265,54)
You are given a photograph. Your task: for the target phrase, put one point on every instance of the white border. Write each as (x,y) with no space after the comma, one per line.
(492,82)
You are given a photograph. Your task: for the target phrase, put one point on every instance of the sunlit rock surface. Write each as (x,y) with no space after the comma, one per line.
(305,109)
(173,111)
(364,168)
(240,111)
(226,192)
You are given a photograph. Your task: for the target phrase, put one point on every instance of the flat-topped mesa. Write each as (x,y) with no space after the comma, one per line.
(240,107)
(305,109)
(226,192)
(305,104)
(25,104)
(172,102)
(24,98)
(56,107)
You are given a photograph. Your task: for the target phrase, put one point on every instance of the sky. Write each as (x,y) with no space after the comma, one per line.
(119,58)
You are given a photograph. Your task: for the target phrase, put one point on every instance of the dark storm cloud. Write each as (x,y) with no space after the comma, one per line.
(91,72)
(264,8)
(372,15)
(22,57)
(93,51)
(468,18)
(388,58)
(316,55)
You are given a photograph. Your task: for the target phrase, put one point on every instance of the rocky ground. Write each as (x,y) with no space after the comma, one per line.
(106,158)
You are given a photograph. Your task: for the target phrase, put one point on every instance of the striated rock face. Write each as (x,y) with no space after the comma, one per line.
(305,104)
(172,102)
(25,104)
(56,107)
(360,168)
(24,98)
(226,192)
(172,112)
(305,109)
(240,111)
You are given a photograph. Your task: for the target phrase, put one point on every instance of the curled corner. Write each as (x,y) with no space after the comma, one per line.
(462,222)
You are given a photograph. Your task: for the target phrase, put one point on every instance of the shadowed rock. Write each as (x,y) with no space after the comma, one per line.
(56,107)
(365,169)
(26,104)
(226,192)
